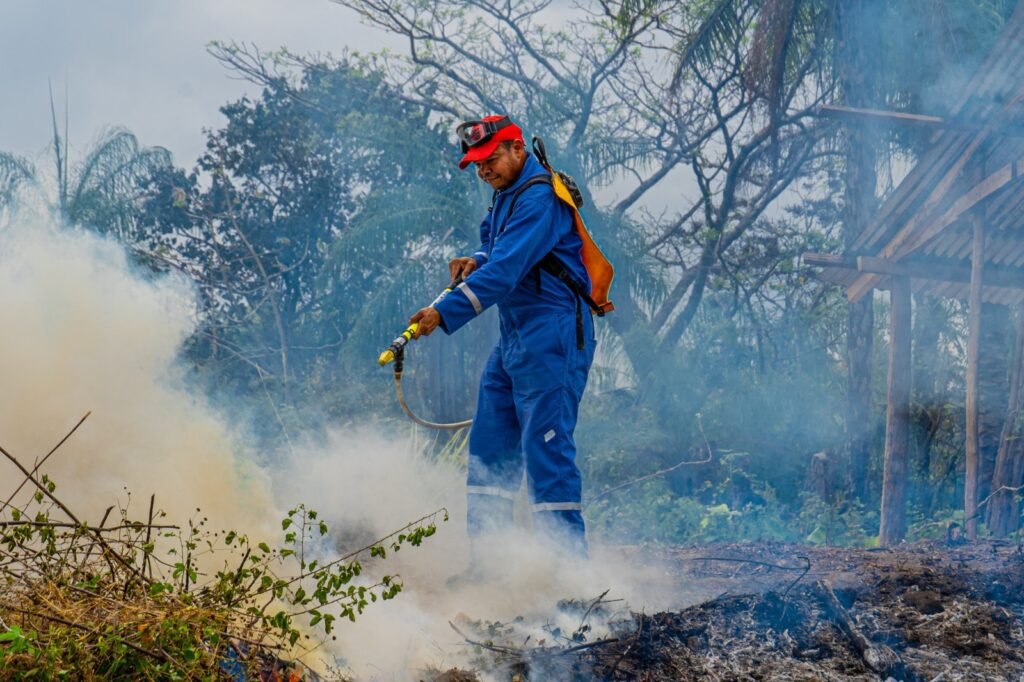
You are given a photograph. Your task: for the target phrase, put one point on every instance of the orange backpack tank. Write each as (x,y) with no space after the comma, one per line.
(599,268)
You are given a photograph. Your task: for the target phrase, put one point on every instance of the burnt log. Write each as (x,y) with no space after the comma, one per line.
(880,659)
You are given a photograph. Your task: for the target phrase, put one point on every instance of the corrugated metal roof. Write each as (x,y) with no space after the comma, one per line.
(964,171)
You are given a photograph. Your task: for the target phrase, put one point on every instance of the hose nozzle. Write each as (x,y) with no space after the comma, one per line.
(397,345)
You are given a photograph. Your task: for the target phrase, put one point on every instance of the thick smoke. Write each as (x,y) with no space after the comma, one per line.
(82,332)
(371,484)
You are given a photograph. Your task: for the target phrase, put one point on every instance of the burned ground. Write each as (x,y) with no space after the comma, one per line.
(925,611)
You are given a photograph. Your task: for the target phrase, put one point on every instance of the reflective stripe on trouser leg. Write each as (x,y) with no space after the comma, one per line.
(495,459)
(556,483)
(563,523)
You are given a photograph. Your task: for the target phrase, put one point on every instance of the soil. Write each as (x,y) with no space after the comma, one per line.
(926,611)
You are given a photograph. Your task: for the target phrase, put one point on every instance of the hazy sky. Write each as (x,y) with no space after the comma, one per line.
(142,64)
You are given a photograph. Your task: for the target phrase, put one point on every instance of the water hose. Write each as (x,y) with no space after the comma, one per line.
(395,353)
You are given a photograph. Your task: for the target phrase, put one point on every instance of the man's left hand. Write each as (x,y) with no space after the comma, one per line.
(428,319)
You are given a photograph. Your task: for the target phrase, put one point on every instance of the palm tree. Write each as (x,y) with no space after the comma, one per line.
(15,173)
(99,193)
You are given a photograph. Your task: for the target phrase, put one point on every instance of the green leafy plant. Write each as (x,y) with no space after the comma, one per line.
(142,599)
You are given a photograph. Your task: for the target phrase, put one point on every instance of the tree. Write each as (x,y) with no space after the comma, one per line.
(321,193)
(600,93)
(15,173)
(880,53)
(1002,515)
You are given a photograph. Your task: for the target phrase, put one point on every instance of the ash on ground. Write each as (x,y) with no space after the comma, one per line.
(926,611)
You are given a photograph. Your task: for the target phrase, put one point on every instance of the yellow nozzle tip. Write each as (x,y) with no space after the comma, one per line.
(385,357)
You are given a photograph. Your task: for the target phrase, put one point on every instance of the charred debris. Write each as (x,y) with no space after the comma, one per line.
(928,611)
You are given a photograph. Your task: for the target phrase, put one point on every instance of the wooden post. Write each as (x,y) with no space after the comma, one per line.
(971,402)
(893,526)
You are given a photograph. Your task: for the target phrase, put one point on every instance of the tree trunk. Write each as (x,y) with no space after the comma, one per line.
(821,476)
(893,526)
(859,408)
(993,389)
(859,205)
(929,394)
(1003,512)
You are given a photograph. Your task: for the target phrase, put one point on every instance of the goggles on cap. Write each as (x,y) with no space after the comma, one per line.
(473,133)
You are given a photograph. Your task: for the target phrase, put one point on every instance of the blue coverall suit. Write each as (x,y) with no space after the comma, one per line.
(534,378)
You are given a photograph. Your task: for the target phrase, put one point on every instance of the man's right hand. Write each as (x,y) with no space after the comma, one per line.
(461,267)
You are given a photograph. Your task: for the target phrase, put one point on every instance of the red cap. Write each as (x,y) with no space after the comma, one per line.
(482,151)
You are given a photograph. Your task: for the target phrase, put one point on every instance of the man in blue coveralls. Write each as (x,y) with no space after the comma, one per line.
(534,378)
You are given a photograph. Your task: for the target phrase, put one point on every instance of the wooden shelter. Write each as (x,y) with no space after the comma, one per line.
(954,227)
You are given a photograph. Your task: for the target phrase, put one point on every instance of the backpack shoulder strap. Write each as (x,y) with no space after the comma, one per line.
(535,180)
(554,265)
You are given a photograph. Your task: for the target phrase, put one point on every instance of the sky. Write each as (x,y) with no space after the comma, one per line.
(142,64)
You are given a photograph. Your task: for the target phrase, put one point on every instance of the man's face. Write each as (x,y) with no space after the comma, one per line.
(500,169)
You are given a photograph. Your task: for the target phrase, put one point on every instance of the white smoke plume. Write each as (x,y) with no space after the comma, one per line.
(370,484)
(83,331)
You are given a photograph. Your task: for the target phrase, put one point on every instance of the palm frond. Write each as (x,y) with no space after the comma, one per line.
(106,182)
(15,172)
(605,156)
(769,52)
(720,29)
(115,148)
(59,153)
(630,10)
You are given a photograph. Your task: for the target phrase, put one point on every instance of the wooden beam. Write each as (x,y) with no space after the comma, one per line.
(943,270)
(990,185)
(912,236)
(936,269)
(860,114)
(901,118)
(988,80)
(973,345)
(830,260)
(866,283)
(893,522)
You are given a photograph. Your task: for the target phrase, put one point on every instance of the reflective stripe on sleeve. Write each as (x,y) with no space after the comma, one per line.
(472,297)
(557,506)
(491,490)
(480,254)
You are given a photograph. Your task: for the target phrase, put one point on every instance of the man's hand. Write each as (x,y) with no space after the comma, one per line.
(428,319)
(461,267)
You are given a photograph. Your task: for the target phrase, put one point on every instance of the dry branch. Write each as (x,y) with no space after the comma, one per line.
(7,503)
(108,550)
